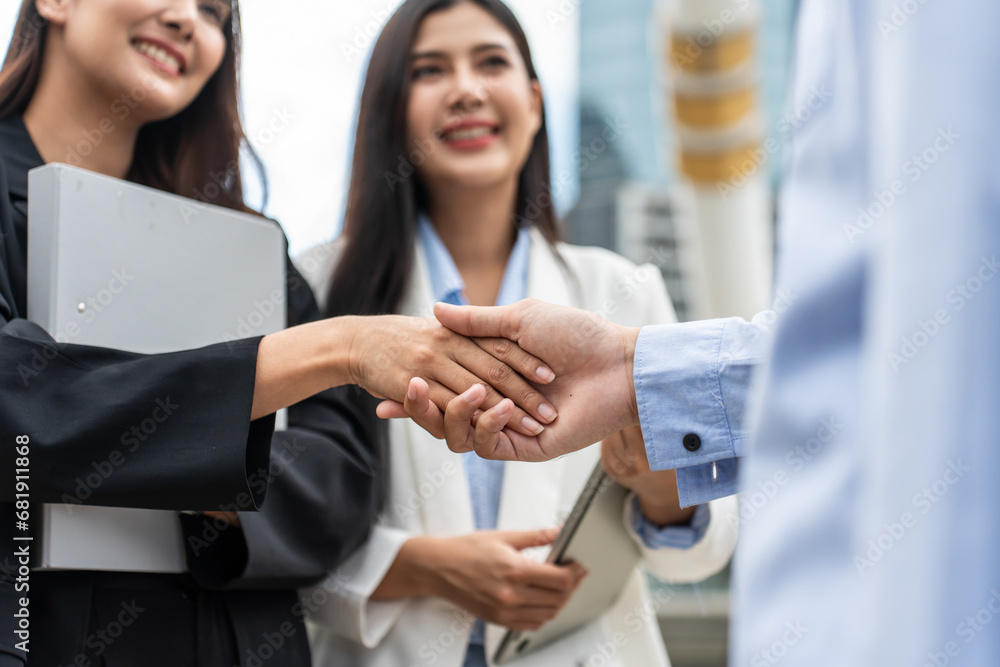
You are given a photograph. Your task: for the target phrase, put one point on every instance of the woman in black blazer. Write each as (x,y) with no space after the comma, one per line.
(146,90)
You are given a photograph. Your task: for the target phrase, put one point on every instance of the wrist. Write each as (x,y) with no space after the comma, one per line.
(421,566)
(630,337)
(344,355)
(662,512)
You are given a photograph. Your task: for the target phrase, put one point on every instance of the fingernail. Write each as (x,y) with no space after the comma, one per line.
(471,394)
(531,425)
(545,374)
(547,412)
(411,392)
(505,407)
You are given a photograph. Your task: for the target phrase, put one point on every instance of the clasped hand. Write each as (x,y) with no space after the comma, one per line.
(387,351)
(592,360)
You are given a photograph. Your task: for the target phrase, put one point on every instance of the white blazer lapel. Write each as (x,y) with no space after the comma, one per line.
(547,280)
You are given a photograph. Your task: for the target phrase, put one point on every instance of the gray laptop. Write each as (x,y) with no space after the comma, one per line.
(118,265)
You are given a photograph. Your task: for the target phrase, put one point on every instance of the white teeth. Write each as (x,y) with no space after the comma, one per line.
(469,134)
(159,55)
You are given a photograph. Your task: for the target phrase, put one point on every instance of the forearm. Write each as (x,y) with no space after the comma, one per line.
(410,575)
(300,362)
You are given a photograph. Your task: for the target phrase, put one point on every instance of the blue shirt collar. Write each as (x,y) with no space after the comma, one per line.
(446,282)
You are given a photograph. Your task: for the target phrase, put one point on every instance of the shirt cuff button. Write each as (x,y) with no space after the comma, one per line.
(692,442)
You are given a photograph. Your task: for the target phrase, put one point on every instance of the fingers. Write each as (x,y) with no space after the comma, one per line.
(417,406)
(459,432)
(477,321)
(391,410)
(526,539)
(421,409)
(559,578)
(503,380)
(515,356)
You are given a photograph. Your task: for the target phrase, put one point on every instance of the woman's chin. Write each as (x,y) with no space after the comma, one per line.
(481,178)
(156,108)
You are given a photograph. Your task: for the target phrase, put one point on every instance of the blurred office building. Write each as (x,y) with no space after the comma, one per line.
(681,142)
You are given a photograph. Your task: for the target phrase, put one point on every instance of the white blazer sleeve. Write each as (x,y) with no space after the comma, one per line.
(349,610)
(705,558)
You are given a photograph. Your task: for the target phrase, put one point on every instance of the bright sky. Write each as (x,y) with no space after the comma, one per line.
(302,74)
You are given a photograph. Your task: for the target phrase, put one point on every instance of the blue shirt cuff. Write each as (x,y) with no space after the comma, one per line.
(669,537)
(692,384)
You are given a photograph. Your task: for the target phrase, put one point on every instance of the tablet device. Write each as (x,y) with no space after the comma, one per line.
(594,536)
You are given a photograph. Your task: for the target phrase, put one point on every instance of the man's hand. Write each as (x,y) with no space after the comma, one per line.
(593,391)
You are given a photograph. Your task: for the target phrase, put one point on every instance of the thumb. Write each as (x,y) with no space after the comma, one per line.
(391,410)
(525,539)
(474,321)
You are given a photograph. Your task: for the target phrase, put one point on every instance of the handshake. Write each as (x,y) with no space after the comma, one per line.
(545,357)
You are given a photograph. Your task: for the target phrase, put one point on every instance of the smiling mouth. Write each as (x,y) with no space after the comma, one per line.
(158,55)
(470,133)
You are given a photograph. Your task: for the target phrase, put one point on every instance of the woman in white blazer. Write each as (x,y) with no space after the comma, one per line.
(448,201)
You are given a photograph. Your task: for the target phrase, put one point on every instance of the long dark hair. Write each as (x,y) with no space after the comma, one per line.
(386,195)
(194,154)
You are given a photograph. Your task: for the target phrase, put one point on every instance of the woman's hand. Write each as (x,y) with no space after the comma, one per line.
(624,458)
(387,351)
(485,573)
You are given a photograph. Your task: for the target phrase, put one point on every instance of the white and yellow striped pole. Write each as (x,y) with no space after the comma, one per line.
(713,68)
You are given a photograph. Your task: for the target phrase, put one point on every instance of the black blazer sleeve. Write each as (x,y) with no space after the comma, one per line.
(107,427)
(323,494)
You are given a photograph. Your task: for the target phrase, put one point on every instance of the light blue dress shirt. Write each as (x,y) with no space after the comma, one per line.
(485,477)
(869,508)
